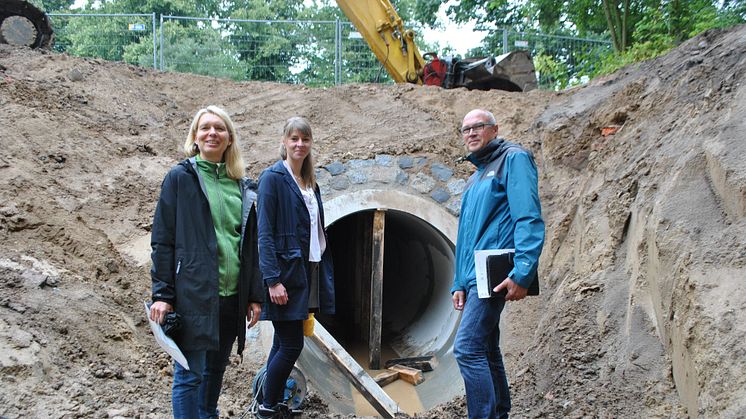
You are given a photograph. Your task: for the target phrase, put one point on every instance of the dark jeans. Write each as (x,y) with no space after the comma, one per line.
(287,345)
(195,391)
(477,352)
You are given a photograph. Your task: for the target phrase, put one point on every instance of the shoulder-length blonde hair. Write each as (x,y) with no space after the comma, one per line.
(307,171)
(234,163)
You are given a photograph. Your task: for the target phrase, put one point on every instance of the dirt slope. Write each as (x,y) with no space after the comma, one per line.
(644,310)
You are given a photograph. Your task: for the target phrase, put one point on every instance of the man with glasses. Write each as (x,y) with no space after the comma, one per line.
(500,209)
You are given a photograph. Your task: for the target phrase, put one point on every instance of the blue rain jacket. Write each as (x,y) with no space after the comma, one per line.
(500,209)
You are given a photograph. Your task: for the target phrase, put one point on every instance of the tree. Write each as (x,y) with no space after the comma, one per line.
(638,29)
(619,20)
(200,51)
(50,6)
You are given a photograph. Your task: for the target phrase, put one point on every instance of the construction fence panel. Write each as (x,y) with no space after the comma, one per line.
(314,53)
(299,52)
(560,61)
(358,64)
(115,37)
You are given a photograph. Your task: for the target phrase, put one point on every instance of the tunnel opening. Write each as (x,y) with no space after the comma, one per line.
(393,258)
(417,276)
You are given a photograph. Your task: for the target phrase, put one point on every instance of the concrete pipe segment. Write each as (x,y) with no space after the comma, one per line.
(415,318)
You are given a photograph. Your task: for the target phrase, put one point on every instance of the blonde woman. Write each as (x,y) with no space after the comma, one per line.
(205,262)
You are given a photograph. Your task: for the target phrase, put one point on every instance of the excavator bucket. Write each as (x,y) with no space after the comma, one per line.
(22,23)
(513,72)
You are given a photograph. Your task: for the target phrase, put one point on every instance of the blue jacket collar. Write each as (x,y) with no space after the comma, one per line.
(279,168)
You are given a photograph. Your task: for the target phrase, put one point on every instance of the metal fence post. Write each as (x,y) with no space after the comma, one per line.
(161,46)
(337,52)
(155,45)
(505,41)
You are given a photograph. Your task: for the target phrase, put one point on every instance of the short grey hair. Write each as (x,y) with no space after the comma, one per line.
(485,113)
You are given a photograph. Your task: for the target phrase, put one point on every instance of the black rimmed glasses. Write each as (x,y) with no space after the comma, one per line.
(477,128)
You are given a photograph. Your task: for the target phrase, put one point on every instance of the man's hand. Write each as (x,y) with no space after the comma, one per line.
(278,294)
(252,316)
(515,291)
(458,300)
(158,311)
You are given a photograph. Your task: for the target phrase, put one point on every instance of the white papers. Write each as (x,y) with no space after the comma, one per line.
(165,342)
(480,266)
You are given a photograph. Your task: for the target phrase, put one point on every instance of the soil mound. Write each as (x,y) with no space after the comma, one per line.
(644,194)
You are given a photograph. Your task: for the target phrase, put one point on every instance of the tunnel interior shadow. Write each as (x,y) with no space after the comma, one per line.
(417,275)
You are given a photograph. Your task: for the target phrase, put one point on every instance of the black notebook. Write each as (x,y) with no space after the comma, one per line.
(498,268)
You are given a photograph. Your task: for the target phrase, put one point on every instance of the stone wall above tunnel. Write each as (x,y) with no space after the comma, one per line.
(413,175)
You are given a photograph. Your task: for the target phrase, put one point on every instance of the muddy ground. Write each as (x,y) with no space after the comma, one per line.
(643,312)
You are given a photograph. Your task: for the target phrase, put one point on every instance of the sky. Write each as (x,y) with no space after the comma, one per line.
(460,37)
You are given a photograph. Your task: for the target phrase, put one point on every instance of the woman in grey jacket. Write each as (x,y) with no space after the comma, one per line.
(205,262)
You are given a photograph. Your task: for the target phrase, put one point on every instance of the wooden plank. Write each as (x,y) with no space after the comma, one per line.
(376,291)
(423,363)
(386,377)
(410,375)
(372,392)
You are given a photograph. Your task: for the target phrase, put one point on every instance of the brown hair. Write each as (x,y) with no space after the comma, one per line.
(300,124)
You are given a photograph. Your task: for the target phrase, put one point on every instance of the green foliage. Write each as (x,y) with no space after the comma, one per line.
(641,29)
(106,38)
(638,52)
(553,74)
(159,7)
(275,52)
(305,52)
(663,28)
(50,6)
(417,14)
(218,47)
(202,51)
(140,53)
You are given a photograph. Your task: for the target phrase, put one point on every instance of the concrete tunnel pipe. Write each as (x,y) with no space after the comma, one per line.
(417,314)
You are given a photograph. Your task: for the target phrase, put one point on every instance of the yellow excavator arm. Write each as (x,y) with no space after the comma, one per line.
(383,30)
(394,46)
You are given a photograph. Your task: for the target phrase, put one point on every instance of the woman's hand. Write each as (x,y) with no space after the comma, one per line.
(278,294)
(158,311)
(255,309)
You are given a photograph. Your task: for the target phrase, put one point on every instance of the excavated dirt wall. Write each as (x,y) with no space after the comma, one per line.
(643,311)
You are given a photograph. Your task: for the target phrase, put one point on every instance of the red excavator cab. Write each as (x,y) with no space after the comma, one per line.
(434,72)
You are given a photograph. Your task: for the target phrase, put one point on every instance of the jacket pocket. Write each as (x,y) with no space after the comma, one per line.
(287,243)
(196,281)
(292,268)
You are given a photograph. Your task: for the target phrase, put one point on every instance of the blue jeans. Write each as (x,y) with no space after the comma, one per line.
(195,391)
(477,352)
(287,345)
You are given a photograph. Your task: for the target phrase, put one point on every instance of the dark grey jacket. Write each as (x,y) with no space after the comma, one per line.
(185,260)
